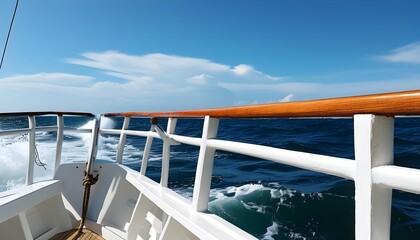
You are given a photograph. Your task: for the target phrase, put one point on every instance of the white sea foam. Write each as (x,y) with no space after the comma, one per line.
(271,231)
(14,153)
(248,189)
(241,195)
(254,207)
(274,230)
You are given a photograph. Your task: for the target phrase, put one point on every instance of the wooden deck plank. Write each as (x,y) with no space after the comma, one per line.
(72,234)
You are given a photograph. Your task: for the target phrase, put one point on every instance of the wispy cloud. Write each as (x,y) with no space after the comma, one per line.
(406,54)
(170,69)
(164,82)
(131,82)
(288,98)
(47,79)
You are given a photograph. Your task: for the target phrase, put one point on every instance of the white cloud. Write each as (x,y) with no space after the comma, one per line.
(170,76)
(406,54)
(201,79)
(155,64)
(242,69)
(247,71)
(288,98)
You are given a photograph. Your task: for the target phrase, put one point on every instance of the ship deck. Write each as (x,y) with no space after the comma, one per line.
(72,234)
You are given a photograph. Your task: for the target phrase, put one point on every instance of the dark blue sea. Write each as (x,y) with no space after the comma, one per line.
(269,200)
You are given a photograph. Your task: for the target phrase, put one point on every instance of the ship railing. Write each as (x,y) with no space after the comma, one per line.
(32,129)
(372,170)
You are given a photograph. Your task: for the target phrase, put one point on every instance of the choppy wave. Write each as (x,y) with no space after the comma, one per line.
(276,212)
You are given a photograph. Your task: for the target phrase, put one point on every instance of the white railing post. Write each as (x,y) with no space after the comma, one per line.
(373,140)
(31,141)
(146,151)
(204,166)
(121,143)
(60,134)
(166,151)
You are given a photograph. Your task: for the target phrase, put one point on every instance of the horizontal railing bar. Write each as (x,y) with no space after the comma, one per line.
(110,131)
(389,104)
(46,129)
(14,132)
(193,141)
(401,178)
(339,167)
(43,129)
(181,139)
(129,132)
(80,130)
(24,114)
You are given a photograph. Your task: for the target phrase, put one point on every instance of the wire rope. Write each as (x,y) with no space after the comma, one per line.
(8,34)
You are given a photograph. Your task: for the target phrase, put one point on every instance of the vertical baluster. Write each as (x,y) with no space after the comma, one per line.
(123,136)
(166,151)
(60,136)
(93,148)
(205,166)
(31,160)
(373,147)
(146,152)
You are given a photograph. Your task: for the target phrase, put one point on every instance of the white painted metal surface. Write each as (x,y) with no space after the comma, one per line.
(60,137)
(205,166)
(373,147)
(31,160)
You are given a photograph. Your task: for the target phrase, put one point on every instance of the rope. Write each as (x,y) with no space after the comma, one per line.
(8,34)
(38,159)
(88,181)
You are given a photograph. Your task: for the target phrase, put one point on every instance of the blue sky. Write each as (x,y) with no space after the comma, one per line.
(108,56)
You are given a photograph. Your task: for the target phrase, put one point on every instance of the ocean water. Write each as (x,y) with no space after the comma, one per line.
(269,200)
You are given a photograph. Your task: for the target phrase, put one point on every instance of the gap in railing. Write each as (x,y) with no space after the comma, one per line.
(43,121)
(154,166)
(133,151)
(76,144)
(407,142)
(256,194)
(405,215)
(10,123)
(191,127)
(77,122)
(136,123)
(332,137)
(107,147)
(182,171)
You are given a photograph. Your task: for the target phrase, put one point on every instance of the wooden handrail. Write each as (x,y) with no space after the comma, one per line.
(388,104)
(23,114)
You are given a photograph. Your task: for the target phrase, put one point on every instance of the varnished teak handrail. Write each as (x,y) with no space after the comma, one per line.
(389,104)
(24,114)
